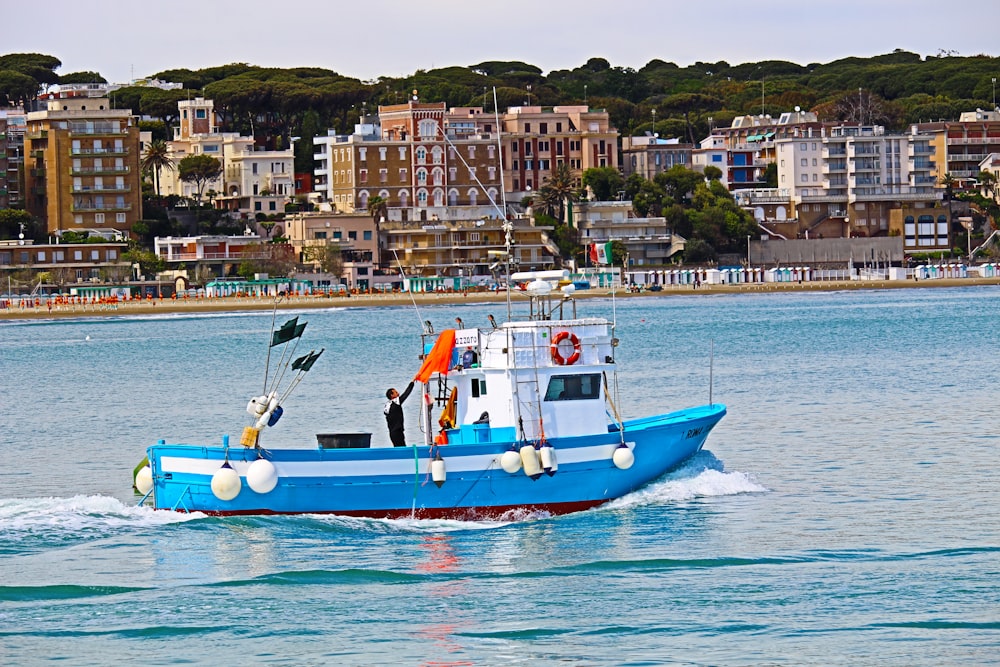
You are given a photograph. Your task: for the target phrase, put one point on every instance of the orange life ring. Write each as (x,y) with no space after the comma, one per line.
(557,356)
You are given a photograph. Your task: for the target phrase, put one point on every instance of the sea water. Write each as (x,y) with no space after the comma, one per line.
(844,512)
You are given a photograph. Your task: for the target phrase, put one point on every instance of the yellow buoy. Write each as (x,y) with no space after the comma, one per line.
(438,472)
(529,460)
(226,483)
(144,480)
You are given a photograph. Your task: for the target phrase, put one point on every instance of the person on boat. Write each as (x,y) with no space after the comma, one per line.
(394,414)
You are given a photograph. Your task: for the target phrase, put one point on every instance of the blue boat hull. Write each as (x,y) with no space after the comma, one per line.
(396,482)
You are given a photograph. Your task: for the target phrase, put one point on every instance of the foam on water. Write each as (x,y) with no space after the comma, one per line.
(700,477)
(78,515)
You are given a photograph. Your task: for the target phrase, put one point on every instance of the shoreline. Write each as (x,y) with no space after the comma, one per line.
(245,304)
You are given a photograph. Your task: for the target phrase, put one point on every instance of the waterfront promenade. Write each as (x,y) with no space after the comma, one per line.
(246,303)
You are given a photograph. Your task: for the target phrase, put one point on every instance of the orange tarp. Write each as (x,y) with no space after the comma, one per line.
(439,358)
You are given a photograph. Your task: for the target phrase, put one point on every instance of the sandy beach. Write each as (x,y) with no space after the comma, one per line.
(238,304)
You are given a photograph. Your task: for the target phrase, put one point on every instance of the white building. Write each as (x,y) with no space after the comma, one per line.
(252,181)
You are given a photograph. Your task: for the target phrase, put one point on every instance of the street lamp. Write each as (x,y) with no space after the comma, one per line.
(748,251)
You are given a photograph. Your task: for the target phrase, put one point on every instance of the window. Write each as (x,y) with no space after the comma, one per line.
(543,128)
(95,255)
(352,235)
(98,218)
(381,153)
(120,217)
(804,162)
(112,255)
(319,235)
(805,178)
(41,256)
(527,127)
(363,153)
(58,256)
(367,235)
(363,175)
(272,205)
(78,255)
(200,113)
(402,175)
(574,387)
(253,168)
(383,175)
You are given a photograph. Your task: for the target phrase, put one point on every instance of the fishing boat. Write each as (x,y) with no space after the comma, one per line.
(528,423)
(518,417)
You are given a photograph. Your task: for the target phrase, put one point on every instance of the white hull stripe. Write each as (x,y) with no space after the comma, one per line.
(359,468)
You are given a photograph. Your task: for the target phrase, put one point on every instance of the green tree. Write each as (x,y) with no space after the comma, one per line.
(149,262)
(200,170)
(155,159)
(329,258)
(558,187)
(11,221)
(378,208)
(16,88)
(604,182)
(82,77)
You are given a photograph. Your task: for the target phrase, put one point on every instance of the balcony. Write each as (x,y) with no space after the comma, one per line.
(34,136)
(86,189)
(123,150)
(84,171)
(79,207)
(110,130)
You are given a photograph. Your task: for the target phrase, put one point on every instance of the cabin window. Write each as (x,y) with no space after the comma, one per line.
(478,388)
(574,387)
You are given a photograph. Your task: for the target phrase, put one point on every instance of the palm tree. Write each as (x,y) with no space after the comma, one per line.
(558,187)
(949,183)
(156,157)
(379,210)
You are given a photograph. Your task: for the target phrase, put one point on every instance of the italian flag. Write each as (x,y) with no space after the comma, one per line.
(600,253)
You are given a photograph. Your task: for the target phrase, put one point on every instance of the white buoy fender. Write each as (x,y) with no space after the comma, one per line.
(226,483)
(144,480)
(623,457)
(529,460)
(548,455)
(438,472)
(262,476)
(510,461)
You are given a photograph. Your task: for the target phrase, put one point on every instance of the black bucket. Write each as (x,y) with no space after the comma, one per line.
(344,440)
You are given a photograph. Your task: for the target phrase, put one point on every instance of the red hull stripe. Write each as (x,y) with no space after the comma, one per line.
(499,512)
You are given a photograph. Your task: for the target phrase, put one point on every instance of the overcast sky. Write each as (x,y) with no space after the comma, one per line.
(371,38)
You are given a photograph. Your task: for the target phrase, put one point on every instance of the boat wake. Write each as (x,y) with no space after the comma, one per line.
(48,521)
(701,476)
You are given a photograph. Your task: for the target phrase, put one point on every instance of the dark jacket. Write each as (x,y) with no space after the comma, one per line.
(394,410)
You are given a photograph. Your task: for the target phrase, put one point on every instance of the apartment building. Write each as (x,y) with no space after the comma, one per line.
(650,155)
(961,146)
(864,181)
(414,160)
(648,241)
(67,263)
(464,247)
(252,181)
(82,165)
(426,160)
(4,175)
(354,236)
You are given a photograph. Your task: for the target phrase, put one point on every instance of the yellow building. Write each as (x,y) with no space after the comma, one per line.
(82,165)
